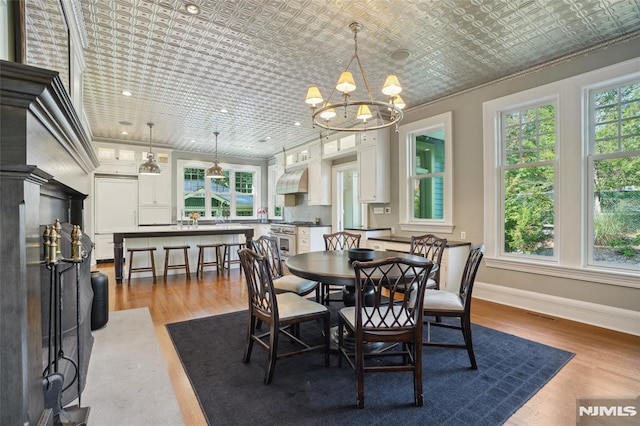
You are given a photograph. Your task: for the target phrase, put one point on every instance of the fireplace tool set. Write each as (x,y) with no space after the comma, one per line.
(53,379)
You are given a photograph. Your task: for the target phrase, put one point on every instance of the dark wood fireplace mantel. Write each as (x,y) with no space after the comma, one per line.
(45,169)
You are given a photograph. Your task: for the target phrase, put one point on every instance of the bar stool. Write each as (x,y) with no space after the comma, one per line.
(226,256)
(151,268)
(201,256)
(185,265)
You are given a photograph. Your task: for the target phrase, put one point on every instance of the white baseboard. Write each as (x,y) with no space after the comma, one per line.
(623,320)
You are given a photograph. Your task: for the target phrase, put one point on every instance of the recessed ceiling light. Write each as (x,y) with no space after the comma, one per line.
(124,123)
(127,93)
(192,9)
(297,123)
(268,138)
(124,132)
(400,55)
(192,141)
(224,110)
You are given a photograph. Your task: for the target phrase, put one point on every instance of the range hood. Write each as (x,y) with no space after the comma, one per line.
(293,182)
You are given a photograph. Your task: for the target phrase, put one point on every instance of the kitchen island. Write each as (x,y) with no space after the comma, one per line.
(157,236)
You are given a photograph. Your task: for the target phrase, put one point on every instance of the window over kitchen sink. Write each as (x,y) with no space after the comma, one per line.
(234,197)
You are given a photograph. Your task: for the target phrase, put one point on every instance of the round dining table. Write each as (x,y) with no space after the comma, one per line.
(334,267)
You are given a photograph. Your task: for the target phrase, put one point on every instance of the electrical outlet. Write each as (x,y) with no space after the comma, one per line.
(387,210)
(463,235)
(393,231)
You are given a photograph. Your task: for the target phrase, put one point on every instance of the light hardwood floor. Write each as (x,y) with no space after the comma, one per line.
(607,363)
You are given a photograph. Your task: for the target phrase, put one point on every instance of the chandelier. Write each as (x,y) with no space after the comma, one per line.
(215,171)
(150,167)
(374,114)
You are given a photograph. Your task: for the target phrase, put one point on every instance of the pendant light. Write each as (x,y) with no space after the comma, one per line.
(150,167)
(215,171)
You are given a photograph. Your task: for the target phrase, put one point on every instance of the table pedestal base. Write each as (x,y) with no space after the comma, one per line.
(350,344)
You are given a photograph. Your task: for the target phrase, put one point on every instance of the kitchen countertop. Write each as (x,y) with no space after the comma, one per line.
(364,228)
(407,240)
(306,225)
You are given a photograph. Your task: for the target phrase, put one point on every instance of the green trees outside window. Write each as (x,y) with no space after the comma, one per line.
(615,170)
(528,170)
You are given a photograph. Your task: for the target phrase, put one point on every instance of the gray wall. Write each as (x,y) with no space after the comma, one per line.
(468,175)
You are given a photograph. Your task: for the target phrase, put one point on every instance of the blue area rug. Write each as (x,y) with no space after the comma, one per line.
(304,392)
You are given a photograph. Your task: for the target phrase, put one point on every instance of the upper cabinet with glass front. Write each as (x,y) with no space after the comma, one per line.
(341,145)
(298,157)
(116,159)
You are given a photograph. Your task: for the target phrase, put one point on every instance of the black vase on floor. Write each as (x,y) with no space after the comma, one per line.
(100,304)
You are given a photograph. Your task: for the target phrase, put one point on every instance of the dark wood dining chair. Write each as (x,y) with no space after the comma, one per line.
(431,247)
(268,247)
(393,319)
(441,303)
(340,240)
(283,313)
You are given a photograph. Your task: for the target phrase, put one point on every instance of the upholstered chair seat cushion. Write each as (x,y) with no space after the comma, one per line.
(290,305)
(293,284)
(440,300)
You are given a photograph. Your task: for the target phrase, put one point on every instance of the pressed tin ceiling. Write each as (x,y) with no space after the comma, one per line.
(256,59)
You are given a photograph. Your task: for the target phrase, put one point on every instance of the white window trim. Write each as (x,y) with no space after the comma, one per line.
(182,164)
(407,133)
(572,128)
(499,234)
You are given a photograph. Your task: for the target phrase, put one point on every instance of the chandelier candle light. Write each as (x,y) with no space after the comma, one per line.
(150,167)
(384,114)
(215,171)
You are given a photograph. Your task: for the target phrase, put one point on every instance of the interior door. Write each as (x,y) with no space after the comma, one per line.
(116,204)
(348,211)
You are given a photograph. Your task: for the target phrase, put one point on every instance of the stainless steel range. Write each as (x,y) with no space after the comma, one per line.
(287,234)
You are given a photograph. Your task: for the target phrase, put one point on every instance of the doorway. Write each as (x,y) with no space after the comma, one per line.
(349,213)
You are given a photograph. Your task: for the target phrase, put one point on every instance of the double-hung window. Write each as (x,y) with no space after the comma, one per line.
(232,197)
(426,175)
(614,170)
(562,178)
(527,179)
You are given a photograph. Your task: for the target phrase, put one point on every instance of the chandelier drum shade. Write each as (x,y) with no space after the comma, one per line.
(150,167)
(371,113)
(215,171)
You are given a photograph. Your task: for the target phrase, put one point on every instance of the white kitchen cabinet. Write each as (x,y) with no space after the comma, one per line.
(116,207)
(118,160)
(310,238)
(374,173)
(116,204)
(365,234)
(319,181)
(336,147)
(297,158)
(103,247)
(275,201)
(155,197)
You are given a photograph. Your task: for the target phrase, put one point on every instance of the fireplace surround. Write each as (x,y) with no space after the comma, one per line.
(45,173)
